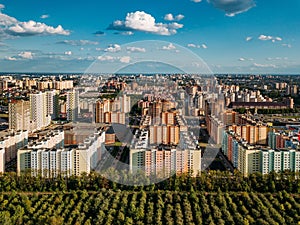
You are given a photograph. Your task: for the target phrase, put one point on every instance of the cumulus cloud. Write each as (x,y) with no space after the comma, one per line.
(78,42)
(193,46)
(113,48)
(125,59)
(204,46)
(6,21)
(170,17)
(141,21)
(45,16)
(249,38)
(68,53)
(10,26)
(263,37)
(26,55)
(233,7)
(135,49)
(169,47)
(196,1)
(179,17)
(32,28)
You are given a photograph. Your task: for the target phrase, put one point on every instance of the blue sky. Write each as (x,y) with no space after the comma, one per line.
(231,36)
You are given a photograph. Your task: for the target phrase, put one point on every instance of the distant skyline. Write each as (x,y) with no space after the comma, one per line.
(231,36)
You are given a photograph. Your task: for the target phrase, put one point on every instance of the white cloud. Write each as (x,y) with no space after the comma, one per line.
(68,53)
(196,1)
(45,16)
(169,47)
(113,48)
(2,6)
(125,59)
(26,55)
(175,26)
(193,46)
(179,17)
(249,38)
(10,26)
(141,21)
(127,33)
(265,65)
(106,58)
(11,58)
(135,49)
(78,42)
(242,59)
(263,37)
(277,58)
(6,21)
(233,7)
(35,28)
(204,46)
(122,59)
(170,17)
(278,38)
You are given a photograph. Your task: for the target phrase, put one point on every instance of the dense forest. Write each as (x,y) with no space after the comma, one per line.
(212,198)
(150,207)
(211,181)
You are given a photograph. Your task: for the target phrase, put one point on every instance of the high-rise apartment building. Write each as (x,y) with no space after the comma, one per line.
(125,103)
(73,160)
(256,158)
(253,134)
(38,111)
(2,160)
(165,161)
(19,115)
(72,105)
(63,85)
(10,143)
(52,106)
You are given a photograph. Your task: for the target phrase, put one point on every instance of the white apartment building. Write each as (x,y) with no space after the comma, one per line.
(72,106)
(49,139)
(10,142)
(19,115)
(52,103)
(50,162)
(38,111)
(2,160)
